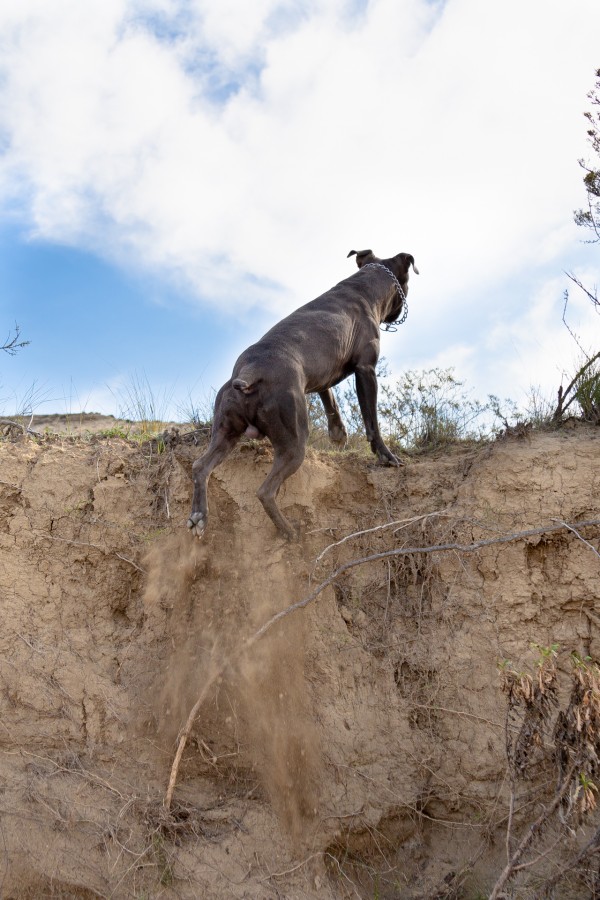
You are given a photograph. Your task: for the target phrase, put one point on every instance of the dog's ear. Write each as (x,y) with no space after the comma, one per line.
(362,257)
(407,260)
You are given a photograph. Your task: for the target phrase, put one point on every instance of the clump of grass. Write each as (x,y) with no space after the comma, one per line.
(139,403)
(197,412)
(116,431)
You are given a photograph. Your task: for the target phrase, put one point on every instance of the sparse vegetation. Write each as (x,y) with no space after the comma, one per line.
(406,712)
(431,408)
(584,388)
(197,412)
(139,402)
(424,410)
(589,217)
(552,726)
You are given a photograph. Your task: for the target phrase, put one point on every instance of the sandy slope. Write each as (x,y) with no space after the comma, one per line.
(358,750)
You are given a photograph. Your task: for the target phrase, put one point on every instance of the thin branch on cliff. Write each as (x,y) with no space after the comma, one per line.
(399,551)
(592,846)
(403,523)
(409,551)
(105,550)
(582,539)
(533,831)
(26,429)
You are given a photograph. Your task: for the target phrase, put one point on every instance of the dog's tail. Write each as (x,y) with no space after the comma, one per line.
(245,382)
(241,385)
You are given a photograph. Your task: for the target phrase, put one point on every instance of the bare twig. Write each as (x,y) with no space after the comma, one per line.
(591,296)
(513,864)
(404,523)
(592,846)
(456,712)
(185,733)
(12,345)
(105,550)
(511,812)
(409,551)
(294,868)
(26,429)
(582,539)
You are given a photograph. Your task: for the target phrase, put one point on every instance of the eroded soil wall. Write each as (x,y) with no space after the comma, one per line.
(358,748)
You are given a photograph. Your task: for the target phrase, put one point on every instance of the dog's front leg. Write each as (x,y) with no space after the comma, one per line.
(366,392)
(337,430)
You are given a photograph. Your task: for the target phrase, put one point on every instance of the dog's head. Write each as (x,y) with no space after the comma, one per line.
(399,265)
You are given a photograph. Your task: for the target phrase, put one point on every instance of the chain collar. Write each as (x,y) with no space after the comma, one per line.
(390,326)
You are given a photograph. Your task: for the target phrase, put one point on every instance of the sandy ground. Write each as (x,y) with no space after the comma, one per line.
(358,750)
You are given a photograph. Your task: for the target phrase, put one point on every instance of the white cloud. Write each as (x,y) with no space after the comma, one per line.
(245,148)
(527,348)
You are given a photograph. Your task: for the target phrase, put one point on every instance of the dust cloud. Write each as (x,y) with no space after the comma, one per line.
(258,707)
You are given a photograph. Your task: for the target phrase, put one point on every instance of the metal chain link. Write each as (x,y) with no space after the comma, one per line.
(389,326)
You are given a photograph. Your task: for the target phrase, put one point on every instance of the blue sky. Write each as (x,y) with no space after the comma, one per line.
(95,327)
(176,175)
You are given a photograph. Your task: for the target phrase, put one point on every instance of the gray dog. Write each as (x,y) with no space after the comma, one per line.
(310,351)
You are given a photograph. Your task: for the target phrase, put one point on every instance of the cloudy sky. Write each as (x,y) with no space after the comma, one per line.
(176,175)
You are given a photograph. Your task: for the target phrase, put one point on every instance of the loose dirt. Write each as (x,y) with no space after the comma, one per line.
(357,750)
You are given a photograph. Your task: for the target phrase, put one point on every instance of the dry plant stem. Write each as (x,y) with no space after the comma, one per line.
(186,733)
(513,863)
(574,530)
(592,846)
(401,551)
(511,810)
(26,429)
(593,297)
(407,551)
(105,550)
(294,868)
(402,522)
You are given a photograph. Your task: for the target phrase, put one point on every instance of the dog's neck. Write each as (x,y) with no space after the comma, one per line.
(400,292)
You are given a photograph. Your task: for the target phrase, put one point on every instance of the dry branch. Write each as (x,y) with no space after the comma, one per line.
(398,551)
(512,865)
(26,429)
(403,523)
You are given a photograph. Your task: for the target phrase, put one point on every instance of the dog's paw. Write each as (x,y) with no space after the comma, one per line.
(292,535)
(290,531)
(387,458)
(197,523)
(338,436)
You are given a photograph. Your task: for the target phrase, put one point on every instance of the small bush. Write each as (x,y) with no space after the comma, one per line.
(587,392)
(422,411)
(429,409)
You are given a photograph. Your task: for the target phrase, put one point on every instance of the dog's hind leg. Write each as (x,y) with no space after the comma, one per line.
(228,426)
(288,435)
(286,462)
(337,430)
(221,445)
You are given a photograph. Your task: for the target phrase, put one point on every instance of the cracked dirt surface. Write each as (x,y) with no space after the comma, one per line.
(357,750)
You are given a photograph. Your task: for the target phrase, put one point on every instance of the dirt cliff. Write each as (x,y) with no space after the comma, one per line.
(358,749)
